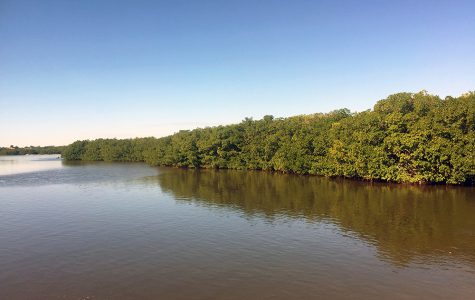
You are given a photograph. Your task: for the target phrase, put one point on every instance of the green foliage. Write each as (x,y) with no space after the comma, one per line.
(413,138)
(15,150)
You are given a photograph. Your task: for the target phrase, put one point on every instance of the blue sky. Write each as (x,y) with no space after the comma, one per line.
(86,69)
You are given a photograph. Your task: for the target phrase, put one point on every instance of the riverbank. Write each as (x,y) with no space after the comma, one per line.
(406,138)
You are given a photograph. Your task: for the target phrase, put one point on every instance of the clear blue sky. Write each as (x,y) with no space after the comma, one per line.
(87,69)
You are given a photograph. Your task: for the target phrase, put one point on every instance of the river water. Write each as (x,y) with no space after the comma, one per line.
(129,231)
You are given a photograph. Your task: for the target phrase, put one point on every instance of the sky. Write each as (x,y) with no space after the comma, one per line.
(84,69)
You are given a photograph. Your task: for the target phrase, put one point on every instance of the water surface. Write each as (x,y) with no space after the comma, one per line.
(129,231)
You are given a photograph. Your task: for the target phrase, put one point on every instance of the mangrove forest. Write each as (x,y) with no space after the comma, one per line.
(405,138)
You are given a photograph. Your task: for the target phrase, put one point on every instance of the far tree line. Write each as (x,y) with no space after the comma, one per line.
(15,150)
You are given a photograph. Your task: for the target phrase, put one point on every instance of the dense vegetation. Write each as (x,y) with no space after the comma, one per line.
(415,138)
(15,150)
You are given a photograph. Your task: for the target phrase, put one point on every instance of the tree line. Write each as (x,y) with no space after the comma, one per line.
(15,150)
(407,137)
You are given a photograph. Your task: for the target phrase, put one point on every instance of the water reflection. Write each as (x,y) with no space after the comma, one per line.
(405,223)
(129,231)
(18,164)
(44,171)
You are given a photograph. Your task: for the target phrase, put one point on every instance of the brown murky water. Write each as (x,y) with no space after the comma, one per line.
(128,231)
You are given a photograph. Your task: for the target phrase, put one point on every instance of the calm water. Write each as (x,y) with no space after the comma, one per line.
(128,231)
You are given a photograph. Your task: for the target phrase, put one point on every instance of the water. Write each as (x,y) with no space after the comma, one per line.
(128,231)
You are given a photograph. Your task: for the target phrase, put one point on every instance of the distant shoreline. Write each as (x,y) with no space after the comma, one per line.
(32,150)
(30,154)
